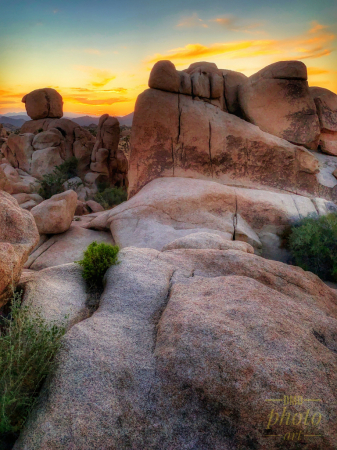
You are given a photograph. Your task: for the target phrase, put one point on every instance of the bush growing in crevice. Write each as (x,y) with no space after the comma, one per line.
(110,196)
(52,183)
(27,348)
(96,261)
(313,245)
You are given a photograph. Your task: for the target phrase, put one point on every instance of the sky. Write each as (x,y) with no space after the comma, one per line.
(99,54)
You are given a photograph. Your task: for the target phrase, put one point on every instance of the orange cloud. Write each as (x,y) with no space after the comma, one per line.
(95,102)
(92,51)
(315,26)
(300,47)
(99,77)
(316,71)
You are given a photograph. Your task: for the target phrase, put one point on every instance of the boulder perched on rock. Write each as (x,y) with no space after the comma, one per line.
(43,103)
(165,77)
(326,103)
(55,215)
(174,135)
(277,100)
(187,350)
(18,237)
(170,208)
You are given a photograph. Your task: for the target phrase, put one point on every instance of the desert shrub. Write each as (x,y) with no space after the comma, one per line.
(27,347)
(110,196)
(96,261)
(52,183)
(313,245)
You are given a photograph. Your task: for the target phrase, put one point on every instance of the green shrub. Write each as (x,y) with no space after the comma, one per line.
(111,196)
(52,183)
(313,245)
(97,259)
(27,347)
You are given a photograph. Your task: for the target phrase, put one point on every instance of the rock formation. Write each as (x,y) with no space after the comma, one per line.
(18,237)
(326,103)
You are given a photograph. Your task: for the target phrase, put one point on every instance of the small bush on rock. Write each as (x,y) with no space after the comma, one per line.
(111,196)
(313,245)
(96,261)
(27,347)
(52,183)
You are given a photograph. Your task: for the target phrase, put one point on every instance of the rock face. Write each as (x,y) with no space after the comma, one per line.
(326,103)
(174,135)
(172,208)
(43,103)
(277,100)
(54,216)
(18,236)
(185,351)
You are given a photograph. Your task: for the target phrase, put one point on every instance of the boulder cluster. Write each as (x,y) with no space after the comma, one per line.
(202,324)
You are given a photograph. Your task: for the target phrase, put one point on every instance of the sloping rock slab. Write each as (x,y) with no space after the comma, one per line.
(185,351)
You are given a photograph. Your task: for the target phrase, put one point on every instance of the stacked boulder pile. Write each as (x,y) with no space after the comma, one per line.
(48,140)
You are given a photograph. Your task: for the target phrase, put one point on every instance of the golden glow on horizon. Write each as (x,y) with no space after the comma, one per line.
(91,90)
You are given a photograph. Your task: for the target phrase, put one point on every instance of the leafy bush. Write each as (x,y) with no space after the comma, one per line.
(52,183)
(96,261)
(313,245)
(27,347)
(111,196)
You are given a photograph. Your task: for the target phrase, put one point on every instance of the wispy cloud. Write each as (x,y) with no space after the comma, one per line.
(99,77)
(315,26)
(317,71)
(233,23)
(92,51)
(191,22)
(309,45)
(115,90)
(95,102)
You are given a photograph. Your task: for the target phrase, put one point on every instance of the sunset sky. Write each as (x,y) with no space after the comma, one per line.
(98,54)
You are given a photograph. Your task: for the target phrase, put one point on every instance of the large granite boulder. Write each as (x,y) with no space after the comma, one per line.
(277,100)
(187,350)
(326,103)
(176,135)
(170,208)
(43,103)
(18,237)
(54,216)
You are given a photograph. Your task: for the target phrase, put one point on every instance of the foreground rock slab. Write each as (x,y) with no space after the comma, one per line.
(185,351)
(18,237)
(171,208)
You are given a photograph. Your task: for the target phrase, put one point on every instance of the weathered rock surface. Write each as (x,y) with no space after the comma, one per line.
(55,215)
(18,236)
(165,77)
(43,103)
(205,240)
(171,208)
(66,247)
(174,135)
(59,293)
(326,103)
(185,350)
(277,100)
(232,81)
